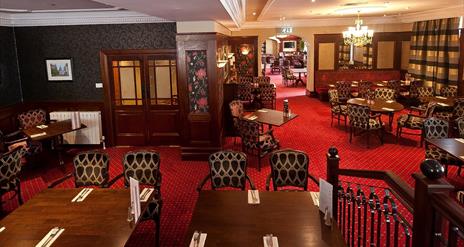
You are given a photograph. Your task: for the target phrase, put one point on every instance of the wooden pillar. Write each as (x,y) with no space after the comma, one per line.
(423,211)
(333,164)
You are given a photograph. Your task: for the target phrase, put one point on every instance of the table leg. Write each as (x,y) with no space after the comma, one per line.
(390,121)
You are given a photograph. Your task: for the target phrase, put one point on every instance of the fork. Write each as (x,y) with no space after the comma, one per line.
(253,196)
(54,233)
(84,191)
(142,197)
(196,238)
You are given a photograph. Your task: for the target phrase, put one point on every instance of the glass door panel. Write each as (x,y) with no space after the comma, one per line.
(127,83)
(163,82)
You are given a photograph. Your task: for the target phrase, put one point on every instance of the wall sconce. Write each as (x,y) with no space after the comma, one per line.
(244,49)
(221,63)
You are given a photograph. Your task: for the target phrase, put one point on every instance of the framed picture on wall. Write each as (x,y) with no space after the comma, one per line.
(59,69)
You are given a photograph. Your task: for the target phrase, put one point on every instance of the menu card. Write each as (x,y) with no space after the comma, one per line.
(135,197)
(325,197)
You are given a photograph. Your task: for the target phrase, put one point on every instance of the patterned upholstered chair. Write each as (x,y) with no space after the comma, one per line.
(262,80)
(412,95)
(10,166)
(236,110)
(449,91)
(361,119)
(91,169)
(245,93)
(337,109)
(396,86)
(344,90)
(17,139)
(289,168)
(414,121)
(458,111)
(435,128)
(424,93)
(227,169)
(460,125)
(275,66)
(245,80)
(144,166)
(384,94)
(256,142)
(364,88)
(268,95)
(32,118)
(288,77)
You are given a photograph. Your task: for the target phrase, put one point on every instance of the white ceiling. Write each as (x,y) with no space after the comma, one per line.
(232,13)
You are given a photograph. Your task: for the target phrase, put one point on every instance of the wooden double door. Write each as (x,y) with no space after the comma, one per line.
(142,97)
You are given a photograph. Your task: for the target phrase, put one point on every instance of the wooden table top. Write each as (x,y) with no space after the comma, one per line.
(453,146)
(100,220)
(378,105)
(271,117)
(229,220)
(442,101)
(53,129)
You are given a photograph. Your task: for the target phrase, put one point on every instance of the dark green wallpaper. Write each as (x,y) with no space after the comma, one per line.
(10,88)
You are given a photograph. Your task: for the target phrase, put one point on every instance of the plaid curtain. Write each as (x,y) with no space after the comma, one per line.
(434,55)
(367,56)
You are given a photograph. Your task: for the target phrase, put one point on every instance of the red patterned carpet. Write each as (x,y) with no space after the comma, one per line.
(310,132)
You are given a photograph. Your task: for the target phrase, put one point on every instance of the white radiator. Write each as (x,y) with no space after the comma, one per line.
(90,135)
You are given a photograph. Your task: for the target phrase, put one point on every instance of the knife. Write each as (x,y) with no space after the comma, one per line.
(52,236)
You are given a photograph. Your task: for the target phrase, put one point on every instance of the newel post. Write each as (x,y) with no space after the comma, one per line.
(333,164)
(430,181)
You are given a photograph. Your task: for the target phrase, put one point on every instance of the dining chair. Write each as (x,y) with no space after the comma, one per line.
(262,80)
(255,141)
(424,93)
(32,118)
(411,96)
(435,128)
(275,67)
(245,93)
(448,91)
(289,168)
(245,80)
(384,94)
(344,90)
(364,88)
(228,169)
(396,86)
(460,126)
(10,166)
(236,111)
(144,166)
(91,168)
(361,119)
(337,108)
(268,95)
(415,122)
(289,76)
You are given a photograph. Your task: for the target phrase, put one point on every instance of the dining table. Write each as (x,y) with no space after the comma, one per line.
(388,107)
(440,100)
(300,78)
(228,220)
(270,117)
(453,146)
(99,220)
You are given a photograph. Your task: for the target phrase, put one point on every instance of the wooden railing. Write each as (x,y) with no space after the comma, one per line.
(396,215)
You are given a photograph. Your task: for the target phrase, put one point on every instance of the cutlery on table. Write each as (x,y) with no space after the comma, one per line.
(269,241)
(52,236)
(84,191)
(142,197)
(196,238)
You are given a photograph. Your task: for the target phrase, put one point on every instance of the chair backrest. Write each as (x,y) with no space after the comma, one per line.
(142,165)
(384,93)
(343,88)
(430,109)
(359,114)
(245,80)
(460,123)
(448,91)
(435,128)
(236,108)
(268,95)
(91,168)
(244,91)
(262,80)
(413,89)
(32,118)
(10,166)
(425,92)
(289,168)
(364,88)
(333,97)
(249,133)
(458,109)
(395,85)
(228,169)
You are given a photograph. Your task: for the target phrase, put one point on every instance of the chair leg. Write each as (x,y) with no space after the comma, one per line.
(446,170)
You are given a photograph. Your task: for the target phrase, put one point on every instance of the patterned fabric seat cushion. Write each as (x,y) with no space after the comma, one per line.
(340,109)
(444,115)
(412,123)
(432,152)
(373,124)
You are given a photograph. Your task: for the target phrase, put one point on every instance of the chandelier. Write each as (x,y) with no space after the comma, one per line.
(359,35)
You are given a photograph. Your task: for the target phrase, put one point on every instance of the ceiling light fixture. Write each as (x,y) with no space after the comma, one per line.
(359,35)
(313,1)
(254,13)
(364,9)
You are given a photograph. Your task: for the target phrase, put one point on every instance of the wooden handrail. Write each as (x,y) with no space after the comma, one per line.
(399,188)
(448,208)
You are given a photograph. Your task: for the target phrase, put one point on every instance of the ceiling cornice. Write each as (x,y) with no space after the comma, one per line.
(236,10)
(447,12)
(76,18)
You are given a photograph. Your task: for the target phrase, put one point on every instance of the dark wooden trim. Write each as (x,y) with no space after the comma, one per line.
(461,66)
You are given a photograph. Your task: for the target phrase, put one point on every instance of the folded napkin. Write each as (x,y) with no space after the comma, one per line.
(43,126)
(442,104)
(202,240)
(275,242)
(461,140)
(82,195)
(145,194)
(440,97)
(315,197)
(38,134)
(379,84)
(360,99)
(2,229)
(390,101)
(262,111)
(51,236)
(253,197)
(387,109)
(252,117)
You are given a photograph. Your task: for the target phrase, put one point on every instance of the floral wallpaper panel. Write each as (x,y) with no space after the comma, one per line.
(197,81)
(245,62)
